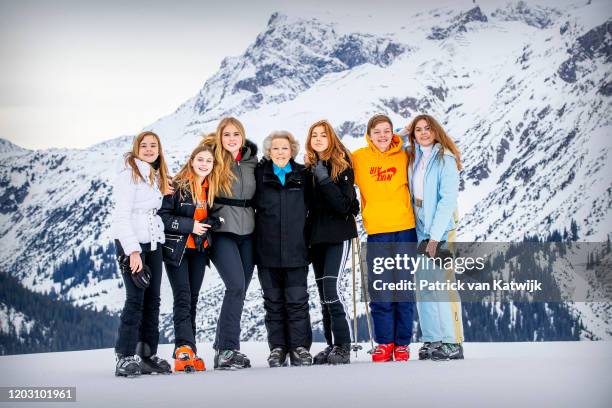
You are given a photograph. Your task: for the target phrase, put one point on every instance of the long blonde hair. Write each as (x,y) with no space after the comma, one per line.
(223,158)
(162,171)
(440,136)
(336,154)
(185,179)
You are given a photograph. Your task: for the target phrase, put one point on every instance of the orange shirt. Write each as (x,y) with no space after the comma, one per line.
(199,214)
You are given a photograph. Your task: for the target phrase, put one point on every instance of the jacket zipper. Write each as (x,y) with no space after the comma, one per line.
(241,191)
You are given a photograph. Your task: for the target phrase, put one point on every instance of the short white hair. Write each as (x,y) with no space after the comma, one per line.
(281,134)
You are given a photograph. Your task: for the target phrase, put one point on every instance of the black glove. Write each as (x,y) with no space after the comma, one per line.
(440,252)
(320,171)
(141,278)
(215,223)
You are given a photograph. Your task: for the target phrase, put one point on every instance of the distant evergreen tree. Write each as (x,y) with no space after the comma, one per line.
(58,325)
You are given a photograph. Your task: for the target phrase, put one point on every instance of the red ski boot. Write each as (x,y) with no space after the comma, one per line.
(401,353)
(382,353)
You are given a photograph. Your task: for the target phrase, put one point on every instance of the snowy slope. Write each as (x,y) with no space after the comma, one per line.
(524,88)
(556,374)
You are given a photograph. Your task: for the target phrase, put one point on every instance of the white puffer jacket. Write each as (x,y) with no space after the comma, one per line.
(135,218)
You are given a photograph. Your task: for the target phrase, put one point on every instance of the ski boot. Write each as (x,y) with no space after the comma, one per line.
(198,363)
(383,353)
(127,366)
(230,360)
(184,359)
(149,362)
(322,356)
(448,351)
(247,362)
(401,353)
(427,348)
(278,357)
(300,356)
(340,355)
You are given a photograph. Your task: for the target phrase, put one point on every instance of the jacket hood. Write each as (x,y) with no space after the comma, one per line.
(249,150)
(396,145)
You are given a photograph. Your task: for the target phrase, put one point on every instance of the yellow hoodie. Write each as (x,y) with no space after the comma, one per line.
(383,185)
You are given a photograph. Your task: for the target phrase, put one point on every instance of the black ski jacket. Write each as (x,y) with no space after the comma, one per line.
(280,217)
(176,213)
(333,208)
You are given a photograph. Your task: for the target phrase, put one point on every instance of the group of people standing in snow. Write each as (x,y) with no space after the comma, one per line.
(227,206)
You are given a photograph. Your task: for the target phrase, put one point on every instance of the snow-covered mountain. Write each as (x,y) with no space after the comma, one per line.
(523,88)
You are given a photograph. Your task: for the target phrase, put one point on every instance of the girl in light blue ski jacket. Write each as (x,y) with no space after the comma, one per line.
(433,174)
(439,192)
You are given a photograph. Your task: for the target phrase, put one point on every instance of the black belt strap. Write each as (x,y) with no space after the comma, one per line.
(233,202)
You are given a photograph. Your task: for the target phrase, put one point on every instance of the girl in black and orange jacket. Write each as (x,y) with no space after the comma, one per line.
(185,250)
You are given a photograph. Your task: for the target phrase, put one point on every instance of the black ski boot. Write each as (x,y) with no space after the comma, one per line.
(278,357)
(448,351)
(247,362)
(230,360)
(300,356)
(322,356)
(127,366)
(340,354)
(151,363)
(427,348)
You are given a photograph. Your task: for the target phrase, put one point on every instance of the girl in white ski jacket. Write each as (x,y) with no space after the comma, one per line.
(139,232)
(135,218)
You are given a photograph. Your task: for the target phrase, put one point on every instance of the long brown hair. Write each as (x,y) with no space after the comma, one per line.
(223,158)
(185,179)
(336,154)
(162,171)
(440,136)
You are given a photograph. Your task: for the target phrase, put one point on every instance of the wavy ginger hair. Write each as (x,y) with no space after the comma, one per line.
(440,136)
(223,158)
(131,156)
(185,179)
(336,154)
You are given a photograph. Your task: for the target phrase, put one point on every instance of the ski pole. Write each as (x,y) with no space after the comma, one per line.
(365,292)
(356,347)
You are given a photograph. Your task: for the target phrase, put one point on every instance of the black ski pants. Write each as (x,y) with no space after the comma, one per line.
(285,293)
(329,264)
(140,315)
(186,281)
(233,256)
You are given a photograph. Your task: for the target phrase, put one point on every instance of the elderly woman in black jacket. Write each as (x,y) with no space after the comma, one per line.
(281,250)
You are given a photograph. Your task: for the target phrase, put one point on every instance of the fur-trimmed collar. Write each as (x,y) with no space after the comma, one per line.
(249,150)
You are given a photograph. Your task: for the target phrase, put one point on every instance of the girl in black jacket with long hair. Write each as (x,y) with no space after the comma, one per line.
(332,226)
(185,252)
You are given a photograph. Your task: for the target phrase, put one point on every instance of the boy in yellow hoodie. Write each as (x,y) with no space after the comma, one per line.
(386,208)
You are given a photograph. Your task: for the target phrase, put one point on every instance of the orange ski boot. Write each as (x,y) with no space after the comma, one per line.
(198,363)
(184,359)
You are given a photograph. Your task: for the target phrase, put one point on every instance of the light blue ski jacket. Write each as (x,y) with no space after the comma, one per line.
(440,191)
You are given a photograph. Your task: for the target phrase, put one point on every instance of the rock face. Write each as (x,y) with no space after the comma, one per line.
(595,44)
(535,16)
(286,59)
(458,24)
